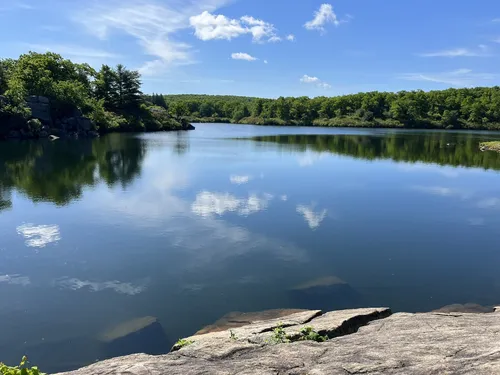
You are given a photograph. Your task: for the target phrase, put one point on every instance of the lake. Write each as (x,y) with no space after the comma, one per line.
(189,226)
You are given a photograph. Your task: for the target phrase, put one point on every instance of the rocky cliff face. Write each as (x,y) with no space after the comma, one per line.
(40,108)
(362,341)
(42,125)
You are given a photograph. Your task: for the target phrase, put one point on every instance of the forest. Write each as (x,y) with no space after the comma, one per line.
(468,108)
(110,98)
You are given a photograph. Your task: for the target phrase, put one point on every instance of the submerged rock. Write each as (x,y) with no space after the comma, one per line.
(318,285)
(142,335)
(239,319)
(365,341)
(326,293)
(467,308)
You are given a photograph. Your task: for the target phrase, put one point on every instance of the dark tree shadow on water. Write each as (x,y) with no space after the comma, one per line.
(57,172)
(447,149)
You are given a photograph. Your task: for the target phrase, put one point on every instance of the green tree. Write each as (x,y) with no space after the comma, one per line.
(206,109)
(105,87)
(6,67)
(128,87)
(66,83)
(179,109)
(258,107)
(283,109)
(240,113)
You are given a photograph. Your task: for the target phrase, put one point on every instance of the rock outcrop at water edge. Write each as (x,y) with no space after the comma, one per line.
(362,341)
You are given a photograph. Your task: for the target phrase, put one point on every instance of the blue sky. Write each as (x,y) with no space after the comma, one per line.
(268,48)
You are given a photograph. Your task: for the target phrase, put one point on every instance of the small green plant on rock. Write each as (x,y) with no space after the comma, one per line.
(22,369)
(279,335)
(181,343)
(232,335)
(309,334)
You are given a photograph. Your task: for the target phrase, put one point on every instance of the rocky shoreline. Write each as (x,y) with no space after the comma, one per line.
(43,125)
(358,341)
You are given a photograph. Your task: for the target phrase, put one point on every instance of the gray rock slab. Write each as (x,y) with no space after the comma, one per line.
(430,343)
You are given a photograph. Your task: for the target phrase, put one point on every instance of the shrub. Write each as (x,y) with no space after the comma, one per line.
(22,369)
(104,120)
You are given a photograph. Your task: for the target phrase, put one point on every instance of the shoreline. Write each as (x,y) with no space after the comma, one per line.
(369,340)
(94,134)
(359,125)
(402,129)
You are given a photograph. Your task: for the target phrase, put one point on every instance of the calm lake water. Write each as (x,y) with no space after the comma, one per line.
(189,226)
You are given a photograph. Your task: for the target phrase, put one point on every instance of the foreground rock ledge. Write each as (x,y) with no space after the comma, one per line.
(363,341)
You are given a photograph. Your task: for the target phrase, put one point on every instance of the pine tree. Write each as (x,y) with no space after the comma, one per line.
(106,87)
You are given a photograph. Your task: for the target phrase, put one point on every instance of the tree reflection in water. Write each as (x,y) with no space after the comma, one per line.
(57,172)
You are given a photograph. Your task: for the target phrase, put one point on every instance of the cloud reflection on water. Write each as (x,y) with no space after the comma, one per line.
(15,280)
(312,218)
(194,228)
(240,180)
(39,235)
(96,286)
(211,203)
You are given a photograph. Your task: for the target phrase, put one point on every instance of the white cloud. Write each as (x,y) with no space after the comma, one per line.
(265,61)
(459,52)
(284,198)
(460,77)
(309,79)
(208,204)
(290,38)
(152,24)
(243,56)
(152,68)
(260,29)
(324,15)
(93,286)
(39,235)
(315,80)
(239,180)
(210,26)
(313,219)
(15,280)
